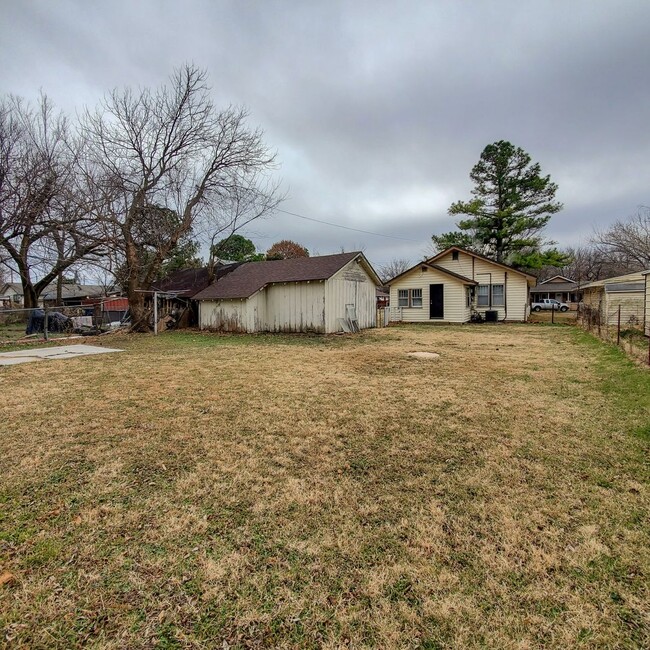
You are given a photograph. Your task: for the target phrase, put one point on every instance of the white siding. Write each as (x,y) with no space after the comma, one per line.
(295,307)
(454,297)
(291,307)
(223,315)
(484,272)
(352,285)
(632,308)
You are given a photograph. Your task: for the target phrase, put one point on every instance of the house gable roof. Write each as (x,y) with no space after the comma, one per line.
(437,267)
(628,277)
(250,277)
(73,290)
(480,257)
(560,287)
(563,279)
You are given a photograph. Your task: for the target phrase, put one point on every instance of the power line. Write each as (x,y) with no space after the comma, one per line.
(338,225)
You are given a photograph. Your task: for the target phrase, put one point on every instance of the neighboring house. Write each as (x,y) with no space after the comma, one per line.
(74,295)
(12,293)
(449,286)
(646,302)
(307,294)
(383,297)
(626,292)
(558,288)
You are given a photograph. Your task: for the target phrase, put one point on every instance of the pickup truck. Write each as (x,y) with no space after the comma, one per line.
(549,303)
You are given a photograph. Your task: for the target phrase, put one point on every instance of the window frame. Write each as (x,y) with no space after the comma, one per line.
(486,296)
(502,297)
(409,298)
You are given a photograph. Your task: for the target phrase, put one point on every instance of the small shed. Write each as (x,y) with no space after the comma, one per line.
(623,292)
(307,294)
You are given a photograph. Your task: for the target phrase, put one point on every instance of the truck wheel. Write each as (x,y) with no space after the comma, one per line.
(537,309)
(564,309)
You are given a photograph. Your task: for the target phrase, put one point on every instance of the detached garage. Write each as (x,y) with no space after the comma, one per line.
(307,294)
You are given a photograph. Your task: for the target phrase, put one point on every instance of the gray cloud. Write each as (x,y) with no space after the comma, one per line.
(379,110)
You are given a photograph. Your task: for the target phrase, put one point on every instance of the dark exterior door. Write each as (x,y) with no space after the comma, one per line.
(436,301)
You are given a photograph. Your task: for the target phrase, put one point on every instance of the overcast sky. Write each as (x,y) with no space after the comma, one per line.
(378,110)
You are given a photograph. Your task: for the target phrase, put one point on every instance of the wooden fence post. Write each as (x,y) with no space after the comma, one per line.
(618,327)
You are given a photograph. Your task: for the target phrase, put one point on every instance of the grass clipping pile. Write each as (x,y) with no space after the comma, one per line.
(303,492)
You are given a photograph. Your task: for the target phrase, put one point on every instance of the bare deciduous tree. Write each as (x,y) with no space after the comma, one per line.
(170,164)
(48,220)
(626,244)
(393,268)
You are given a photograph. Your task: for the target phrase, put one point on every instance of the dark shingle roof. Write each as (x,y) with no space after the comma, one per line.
(250,277)
(555,286)
(187,282)
(73,290)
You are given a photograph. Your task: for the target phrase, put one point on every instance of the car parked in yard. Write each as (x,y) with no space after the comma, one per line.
(549,303)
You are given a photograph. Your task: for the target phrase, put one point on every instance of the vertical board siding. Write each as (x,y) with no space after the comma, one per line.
(223,315)
(454,296)
(351,285)
(295,307)
(313,306)
(516,285)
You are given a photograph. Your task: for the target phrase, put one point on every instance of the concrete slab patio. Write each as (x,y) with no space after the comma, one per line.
(45,354)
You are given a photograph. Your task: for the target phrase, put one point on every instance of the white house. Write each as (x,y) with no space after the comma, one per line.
(307,294)
(447,287)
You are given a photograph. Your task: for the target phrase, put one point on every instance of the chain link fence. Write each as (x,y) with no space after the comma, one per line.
(49,322)
(621,324)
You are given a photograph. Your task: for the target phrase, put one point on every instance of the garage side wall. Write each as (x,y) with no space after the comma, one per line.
(352,285)
(223,315)
(295,307)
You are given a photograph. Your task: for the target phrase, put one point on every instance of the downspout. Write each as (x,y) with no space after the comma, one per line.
(505,295)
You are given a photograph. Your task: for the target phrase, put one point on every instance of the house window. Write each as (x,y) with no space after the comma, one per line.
(483,295)
(497,295)
(468,296)
(454,256)
(409,298)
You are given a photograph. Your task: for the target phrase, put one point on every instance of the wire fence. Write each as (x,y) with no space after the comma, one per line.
(51,321)
(621,324)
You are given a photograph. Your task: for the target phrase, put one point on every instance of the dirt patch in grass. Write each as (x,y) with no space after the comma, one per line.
(307,492)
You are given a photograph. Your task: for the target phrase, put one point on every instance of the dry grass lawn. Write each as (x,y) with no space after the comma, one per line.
(204,491)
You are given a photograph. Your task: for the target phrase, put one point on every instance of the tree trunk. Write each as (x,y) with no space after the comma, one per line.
(30,299)
(139,312)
